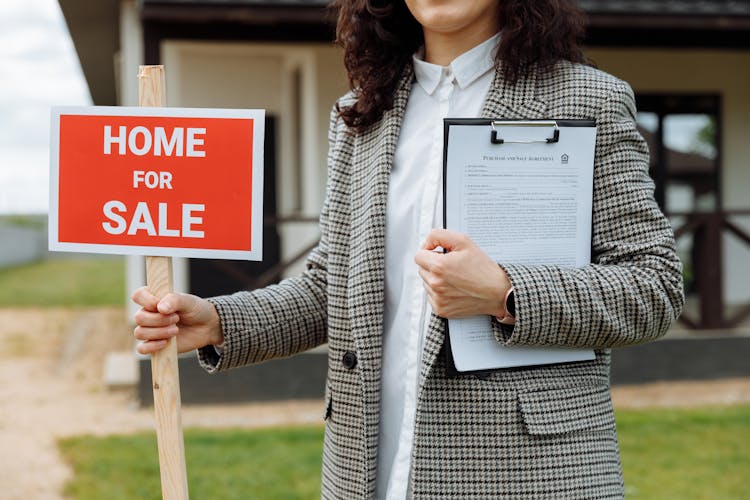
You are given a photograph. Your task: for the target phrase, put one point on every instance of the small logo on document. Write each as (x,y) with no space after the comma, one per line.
(564,159)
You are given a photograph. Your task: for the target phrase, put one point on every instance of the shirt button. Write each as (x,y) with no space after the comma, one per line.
(349,360)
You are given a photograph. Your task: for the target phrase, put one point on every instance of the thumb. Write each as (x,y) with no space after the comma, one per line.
(175,303)
(449,240)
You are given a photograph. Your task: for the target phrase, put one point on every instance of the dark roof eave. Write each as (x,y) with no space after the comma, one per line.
(669,22)
(95,30)
(316,12)
(249,14)
(727,8)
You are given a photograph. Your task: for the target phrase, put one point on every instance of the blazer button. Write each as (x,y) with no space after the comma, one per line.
(349,360)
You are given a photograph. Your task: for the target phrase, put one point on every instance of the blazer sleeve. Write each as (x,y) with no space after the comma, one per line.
(278,320)
(632,291)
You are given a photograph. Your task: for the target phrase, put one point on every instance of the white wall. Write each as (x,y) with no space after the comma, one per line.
(126,64)
(726,73)
(296,82)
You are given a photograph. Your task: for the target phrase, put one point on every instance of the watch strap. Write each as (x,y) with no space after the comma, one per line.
(509,303)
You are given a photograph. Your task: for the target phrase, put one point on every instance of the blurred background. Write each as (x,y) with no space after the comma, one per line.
(70,375)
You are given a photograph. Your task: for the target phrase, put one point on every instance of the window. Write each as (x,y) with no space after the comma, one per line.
(682,132)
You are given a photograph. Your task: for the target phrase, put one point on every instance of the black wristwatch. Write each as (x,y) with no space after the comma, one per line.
(510,303)
(510,308)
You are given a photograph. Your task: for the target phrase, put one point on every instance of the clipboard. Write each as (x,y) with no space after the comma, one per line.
(510,183)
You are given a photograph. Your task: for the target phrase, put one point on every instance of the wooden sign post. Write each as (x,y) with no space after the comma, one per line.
(165,375)
(162,182)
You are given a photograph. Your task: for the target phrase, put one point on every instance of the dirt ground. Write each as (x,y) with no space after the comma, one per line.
(51,386)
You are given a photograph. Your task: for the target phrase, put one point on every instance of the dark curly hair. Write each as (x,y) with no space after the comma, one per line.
(380,36)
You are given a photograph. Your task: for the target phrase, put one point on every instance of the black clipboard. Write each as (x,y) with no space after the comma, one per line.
(496,136)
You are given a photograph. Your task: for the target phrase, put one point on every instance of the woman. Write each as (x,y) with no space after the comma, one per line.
(398,423)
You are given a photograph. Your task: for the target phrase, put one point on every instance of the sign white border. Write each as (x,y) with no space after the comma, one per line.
(258,115)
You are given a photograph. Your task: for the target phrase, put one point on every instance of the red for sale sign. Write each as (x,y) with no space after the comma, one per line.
(157,181)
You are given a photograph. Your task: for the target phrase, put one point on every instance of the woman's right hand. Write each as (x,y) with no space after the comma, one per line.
(192,319)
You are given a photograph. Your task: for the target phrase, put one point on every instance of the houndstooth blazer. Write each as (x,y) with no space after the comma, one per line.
(537,432)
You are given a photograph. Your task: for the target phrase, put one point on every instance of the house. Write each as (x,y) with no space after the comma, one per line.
(687,60)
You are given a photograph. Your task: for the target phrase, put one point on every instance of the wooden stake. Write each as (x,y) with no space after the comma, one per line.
(164,371)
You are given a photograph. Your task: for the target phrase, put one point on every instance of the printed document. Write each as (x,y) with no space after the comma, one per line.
(522,203)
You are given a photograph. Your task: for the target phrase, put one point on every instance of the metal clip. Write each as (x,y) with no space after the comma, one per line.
(551,123)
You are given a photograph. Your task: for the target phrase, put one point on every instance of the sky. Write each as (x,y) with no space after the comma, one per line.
(38,68)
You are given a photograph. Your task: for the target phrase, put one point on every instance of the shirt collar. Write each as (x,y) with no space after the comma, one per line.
(466,68)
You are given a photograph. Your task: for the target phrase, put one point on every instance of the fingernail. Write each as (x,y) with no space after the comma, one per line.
(165,307)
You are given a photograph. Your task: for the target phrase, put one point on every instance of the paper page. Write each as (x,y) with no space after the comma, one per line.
(522,204)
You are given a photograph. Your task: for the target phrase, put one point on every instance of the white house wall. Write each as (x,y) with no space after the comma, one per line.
(258,75)
(130,55)
(726,73)
(126,64)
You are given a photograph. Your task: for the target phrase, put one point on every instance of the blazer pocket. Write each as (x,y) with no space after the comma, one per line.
(568,409)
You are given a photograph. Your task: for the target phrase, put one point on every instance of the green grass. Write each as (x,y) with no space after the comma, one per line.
(34,221)
(686,454)
(227,464)
(64,282)
(666,454)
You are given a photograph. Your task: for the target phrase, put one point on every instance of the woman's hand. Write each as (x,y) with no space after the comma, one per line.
(192,319)
(463,282)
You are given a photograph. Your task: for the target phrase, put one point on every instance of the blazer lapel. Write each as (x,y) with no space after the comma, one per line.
(518,100)
(504,101)
(372,160)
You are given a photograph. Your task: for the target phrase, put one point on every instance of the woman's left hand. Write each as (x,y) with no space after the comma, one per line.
(463,282)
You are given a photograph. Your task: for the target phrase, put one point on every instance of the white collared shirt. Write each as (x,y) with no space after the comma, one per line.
(414,208)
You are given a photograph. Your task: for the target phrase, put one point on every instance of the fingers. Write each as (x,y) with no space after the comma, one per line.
(144,298)
(175,303)
(426,282)
(449,240)
(465,281)
(151,346)
(435,284)
(154,319)
(154,338)
(427,259)
(155,333)
(170,303)
(153,326)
